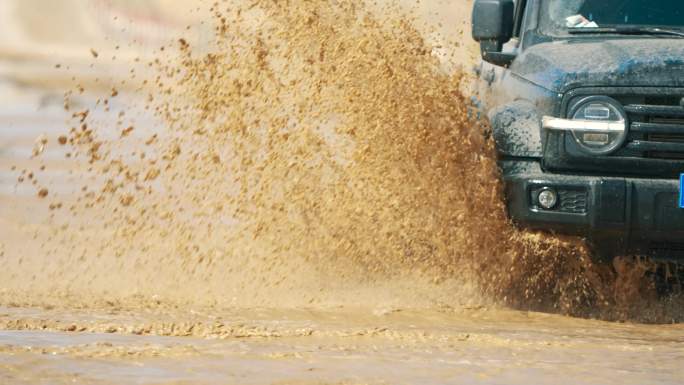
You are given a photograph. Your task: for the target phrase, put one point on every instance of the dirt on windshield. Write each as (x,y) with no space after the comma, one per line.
(308,196)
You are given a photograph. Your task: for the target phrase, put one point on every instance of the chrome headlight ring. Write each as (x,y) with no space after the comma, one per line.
(597,123)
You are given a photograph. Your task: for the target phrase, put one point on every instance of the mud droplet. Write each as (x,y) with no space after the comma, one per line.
(127,131)
(127,200)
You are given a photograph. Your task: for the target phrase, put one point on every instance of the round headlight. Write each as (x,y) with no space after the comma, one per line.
(605,110)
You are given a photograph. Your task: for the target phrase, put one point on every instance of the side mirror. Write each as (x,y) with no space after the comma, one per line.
(492,27)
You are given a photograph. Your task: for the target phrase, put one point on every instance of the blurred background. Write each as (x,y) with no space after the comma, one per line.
(37,35)
(50,47)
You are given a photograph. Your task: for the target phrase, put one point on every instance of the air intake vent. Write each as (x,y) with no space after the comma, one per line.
(657,130)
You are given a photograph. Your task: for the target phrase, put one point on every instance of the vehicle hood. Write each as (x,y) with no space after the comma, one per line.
(562,65)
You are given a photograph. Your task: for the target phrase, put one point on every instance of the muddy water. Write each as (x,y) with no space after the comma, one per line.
(309,200)
(469,346)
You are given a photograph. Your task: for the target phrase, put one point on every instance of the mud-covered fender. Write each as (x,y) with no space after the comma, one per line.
(516,128)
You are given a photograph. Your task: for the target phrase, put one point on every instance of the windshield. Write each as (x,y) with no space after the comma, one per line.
(558,16)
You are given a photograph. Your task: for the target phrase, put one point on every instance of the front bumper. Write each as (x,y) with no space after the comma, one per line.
(618,215)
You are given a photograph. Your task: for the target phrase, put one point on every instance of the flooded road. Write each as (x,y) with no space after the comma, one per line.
(346,346)
(274,209)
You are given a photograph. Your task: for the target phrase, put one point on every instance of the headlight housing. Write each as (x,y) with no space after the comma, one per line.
(600,109)
(597,123)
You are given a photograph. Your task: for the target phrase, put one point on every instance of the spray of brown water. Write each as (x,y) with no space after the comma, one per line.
(318,154)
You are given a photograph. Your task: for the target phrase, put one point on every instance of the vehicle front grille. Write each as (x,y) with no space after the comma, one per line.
(655,143)
(656,128)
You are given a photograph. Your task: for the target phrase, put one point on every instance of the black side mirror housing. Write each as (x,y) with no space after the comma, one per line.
(493,26)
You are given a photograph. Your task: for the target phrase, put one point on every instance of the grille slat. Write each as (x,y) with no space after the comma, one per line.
(657,128)
(644,145)
(653,110)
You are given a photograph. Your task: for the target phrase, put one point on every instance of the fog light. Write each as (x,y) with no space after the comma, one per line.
(547,198)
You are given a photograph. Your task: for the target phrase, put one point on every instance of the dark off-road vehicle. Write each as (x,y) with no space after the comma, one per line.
(586,104)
